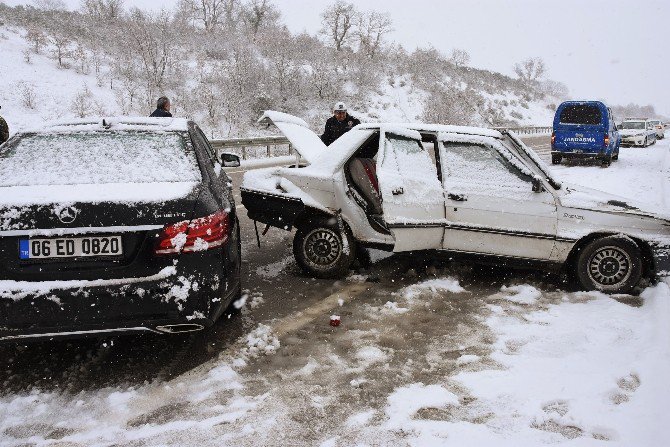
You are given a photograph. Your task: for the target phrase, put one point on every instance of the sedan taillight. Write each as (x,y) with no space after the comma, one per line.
(203,233)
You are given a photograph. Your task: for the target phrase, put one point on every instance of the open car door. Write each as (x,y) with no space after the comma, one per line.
(412,196)
(304,141)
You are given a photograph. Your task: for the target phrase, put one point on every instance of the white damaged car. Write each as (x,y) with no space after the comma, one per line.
(459,190)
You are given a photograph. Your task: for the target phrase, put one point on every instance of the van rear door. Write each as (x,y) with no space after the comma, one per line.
(580,128)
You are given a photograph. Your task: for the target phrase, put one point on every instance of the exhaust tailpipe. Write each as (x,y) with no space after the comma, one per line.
(179,328)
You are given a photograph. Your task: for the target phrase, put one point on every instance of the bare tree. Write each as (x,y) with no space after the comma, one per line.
(371,29)
(338,22)
(280,50)
(82,103)
(155,40)
(554,88)
(260,13)
(28,95)
(459,58)
(60,38)
(530,70)
(80,56)
(36,38)
(50,5)
(207,12)
(103,10)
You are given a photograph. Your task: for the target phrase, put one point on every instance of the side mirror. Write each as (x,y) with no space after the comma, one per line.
(537,185)
(230,160)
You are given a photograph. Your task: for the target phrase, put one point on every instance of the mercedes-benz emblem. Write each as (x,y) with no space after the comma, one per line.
(67,215)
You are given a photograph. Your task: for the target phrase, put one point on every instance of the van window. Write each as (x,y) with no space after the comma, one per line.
(581,114)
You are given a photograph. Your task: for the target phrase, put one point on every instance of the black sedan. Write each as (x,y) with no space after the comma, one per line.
(115,225)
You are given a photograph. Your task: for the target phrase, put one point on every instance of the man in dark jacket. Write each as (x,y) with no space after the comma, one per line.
(338,124)
(162,108)
(4,130)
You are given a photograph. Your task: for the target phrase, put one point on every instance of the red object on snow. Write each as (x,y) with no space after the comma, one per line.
(335,320)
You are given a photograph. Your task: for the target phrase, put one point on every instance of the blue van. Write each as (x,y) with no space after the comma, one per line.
(584,129)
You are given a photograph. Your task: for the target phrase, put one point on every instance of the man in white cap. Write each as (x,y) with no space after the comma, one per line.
(338,124)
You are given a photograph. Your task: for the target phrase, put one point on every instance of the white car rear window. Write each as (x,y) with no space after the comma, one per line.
(98,157)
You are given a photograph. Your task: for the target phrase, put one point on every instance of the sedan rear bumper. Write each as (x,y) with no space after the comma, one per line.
(184,298)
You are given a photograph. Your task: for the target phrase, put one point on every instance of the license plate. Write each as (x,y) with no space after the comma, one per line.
(71,247)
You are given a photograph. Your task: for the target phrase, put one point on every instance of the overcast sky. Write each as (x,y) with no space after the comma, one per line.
(615,50)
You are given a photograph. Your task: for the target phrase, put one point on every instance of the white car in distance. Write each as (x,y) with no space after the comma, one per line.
(659,128)
(637,132)
(460,191)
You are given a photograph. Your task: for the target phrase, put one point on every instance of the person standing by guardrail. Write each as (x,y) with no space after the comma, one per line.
(4,130)
(162,108)
(338,124)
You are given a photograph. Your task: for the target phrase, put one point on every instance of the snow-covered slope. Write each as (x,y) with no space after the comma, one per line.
(53,93)
(54,90)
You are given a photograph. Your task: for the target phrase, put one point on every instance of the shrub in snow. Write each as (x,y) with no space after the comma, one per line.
(28,95)
(82,104)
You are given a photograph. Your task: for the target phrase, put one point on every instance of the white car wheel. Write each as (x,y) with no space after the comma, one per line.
(610,264)
(323,250)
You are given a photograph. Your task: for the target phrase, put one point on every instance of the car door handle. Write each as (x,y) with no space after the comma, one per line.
(457,197)
(398,191)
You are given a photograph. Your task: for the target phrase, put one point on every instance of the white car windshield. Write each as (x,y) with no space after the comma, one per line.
(639,125)
(97,157)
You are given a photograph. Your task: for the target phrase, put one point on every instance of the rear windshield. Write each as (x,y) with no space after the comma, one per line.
(638,125)
(97,157)
(581,114)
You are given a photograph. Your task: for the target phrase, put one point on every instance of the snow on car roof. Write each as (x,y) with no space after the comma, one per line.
(113,123)
(438,128)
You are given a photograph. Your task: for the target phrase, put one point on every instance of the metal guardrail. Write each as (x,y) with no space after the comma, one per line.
(529,130)
(278,145)
(242,146)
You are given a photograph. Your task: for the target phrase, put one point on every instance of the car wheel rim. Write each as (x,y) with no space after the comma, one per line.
(610,266)
(322,247)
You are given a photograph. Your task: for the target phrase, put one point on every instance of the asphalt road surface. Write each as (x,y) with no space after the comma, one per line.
(278,294)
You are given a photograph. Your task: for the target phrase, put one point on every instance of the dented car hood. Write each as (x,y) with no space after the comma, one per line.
(582,197)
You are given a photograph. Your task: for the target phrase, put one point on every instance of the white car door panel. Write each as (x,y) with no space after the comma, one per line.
(491,205)
(412,196)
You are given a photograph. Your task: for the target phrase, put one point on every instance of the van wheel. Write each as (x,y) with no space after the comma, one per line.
(610,264)
(615,157)
(323,251)
(556,159)
(607,161)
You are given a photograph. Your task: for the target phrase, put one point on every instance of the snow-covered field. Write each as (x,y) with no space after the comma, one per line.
(447,360)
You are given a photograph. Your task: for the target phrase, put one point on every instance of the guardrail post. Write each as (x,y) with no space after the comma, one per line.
(290,149)
(268,150)
(244,153)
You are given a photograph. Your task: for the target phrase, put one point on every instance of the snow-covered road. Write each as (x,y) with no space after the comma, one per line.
(639,174)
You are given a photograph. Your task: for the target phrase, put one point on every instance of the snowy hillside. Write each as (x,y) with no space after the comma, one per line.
(35,90)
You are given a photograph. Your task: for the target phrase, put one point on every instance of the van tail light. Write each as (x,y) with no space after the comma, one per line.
(203,233)
(606,143)
(553,139)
